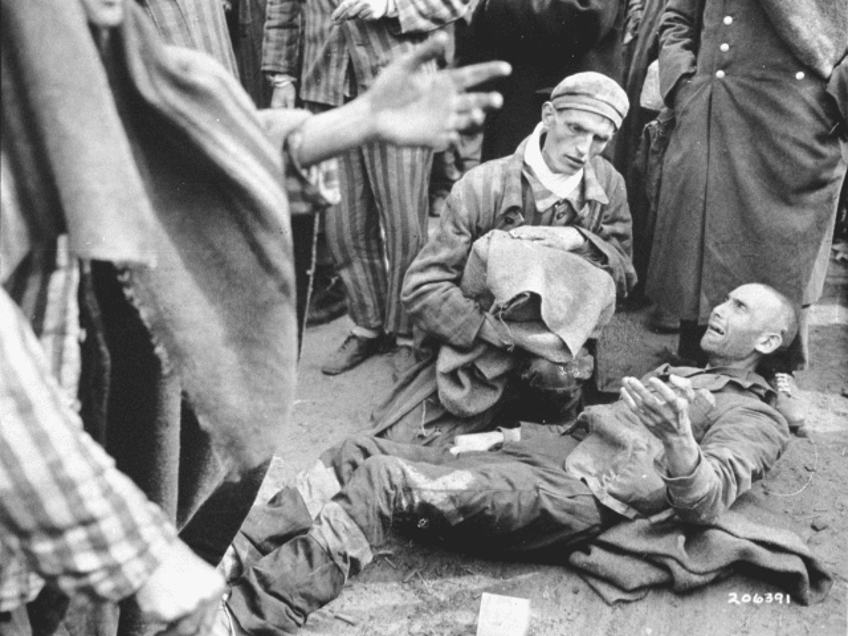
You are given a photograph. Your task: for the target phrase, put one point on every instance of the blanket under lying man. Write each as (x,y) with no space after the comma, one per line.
(625,562)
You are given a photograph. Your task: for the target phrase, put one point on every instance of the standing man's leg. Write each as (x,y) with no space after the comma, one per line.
(400,179)
(356,245)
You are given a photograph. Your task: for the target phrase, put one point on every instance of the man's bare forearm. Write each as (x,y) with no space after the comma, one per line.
(335,131)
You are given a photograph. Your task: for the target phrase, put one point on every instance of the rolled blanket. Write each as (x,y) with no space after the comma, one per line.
(550,302)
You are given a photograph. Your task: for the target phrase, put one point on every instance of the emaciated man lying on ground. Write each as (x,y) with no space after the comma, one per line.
(686,442)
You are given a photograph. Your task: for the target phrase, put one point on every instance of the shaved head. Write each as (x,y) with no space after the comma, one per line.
(754,322)
(783,315)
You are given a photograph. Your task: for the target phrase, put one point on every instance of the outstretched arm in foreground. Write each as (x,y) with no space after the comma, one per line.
(408,105)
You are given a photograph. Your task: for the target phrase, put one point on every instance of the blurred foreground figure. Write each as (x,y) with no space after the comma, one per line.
(170,188)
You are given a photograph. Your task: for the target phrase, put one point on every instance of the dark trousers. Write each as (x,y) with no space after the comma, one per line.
(515,500)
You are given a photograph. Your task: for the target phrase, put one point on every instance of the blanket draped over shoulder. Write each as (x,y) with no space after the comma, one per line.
(161,166)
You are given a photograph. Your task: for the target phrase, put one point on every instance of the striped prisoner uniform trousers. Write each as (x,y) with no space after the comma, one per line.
(381,223)
(378,229)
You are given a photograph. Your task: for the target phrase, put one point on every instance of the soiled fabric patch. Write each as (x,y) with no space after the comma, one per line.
(316,485)
(339,535)
(436,492)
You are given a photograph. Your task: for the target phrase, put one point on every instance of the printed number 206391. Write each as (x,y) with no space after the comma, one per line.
(758,599)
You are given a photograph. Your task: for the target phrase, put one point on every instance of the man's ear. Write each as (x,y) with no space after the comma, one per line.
(548,113)
(768,343)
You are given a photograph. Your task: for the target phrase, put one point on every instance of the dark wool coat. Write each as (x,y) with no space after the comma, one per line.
(753,170)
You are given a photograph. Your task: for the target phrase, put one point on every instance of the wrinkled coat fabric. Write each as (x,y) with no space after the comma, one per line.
(191,185)
(753,170)
(219,302)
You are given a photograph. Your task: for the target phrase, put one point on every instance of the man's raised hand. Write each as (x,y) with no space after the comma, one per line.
(413,106)
(666,415)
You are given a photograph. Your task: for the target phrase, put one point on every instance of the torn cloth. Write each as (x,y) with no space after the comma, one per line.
(631,558)
(549,301)
(161,161)
(219,303)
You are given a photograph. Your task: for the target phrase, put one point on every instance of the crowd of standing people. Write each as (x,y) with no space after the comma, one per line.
(185,181)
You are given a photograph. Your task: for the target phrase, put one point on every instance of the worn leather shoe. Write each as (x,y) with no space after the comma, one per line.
(354,350)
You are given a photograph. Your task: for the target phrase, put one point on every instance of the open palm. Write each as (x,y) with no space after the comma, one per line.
(412,105)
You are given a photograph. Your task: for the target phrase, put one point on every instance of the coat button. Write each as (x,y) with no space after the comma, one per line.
(800,75)
(724,47)
(728,20)
(720,74)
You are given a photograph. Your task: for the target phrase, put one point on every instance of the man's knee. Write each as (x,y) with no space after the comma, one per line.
(353,451)
(347,457)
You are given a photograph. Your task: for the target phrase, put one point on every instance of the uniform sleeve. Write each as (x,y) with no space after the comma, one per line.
(281,43)
(613,241)
(421,16)
(76,519)
(738,450)
(431,292)
(679,39)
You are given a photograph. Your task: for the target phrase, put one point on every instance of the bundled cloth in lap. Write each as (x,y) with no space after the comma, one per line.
(551,302)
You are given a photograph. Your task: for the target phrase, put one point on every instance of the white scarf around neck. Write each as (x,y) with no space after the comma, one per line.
(561,185)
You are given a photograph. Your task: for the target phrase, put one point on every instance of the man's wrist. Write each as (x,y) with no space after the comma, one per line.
(681,455)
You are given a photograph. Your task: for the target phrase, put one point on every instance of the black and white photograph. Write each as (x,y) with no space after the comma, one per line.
(424,318)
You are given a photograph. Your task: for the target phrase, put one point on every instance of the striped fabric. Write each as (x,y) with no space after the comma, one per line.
(194,24)
(328,48)
(381,222)
(384,187)
(63,505)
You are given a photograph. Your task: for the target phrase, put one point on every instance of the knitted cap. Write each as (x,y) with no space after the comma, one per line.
(592,92)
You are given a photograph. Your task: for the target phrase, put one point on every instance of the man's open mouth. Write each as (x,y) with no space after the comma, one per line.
(715,328)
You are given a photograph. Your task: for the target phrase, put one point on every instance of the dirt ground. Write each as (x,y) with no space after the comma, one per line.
(424,590)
